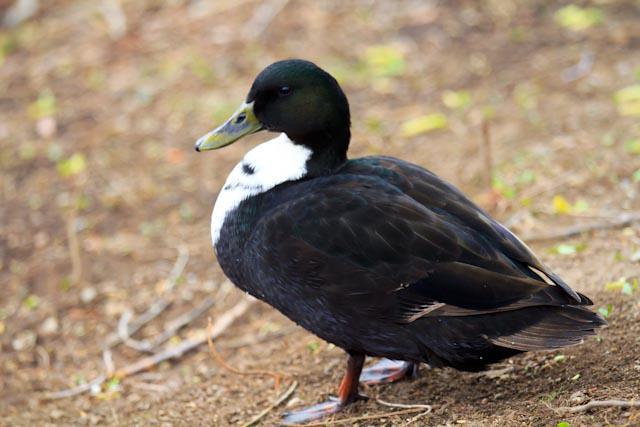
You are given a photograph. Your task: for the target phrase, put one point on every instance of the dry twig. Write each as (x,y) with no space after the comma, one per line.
(177,269)
(363,418)
(404,405)
(257,338)
(74,249)
(218,357)
(279,401)
(154,388)
(152,312)
(613,403)
(581,69)
(487,153)
(20,11)
(75,391)
(148,362)
(264,14)
(427,408)
(126,329)
(107,359)
(123,333)
(115,18)
(172,327)
(622,220)
(83,388)
(216,330)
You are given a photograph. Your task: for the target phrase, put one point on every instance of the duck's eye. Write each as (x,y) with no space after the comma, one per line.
(284,91)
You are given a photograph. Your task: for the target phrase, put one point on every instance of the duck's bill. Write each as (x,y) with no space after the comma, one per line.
(243,122)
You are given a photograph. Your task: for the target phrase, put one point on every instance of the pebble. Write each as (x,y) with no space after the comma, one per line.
(294,402)
(49,327)
(88,294)
(56,414)
(24,340)
(47,127)
(114,308)
(578,397)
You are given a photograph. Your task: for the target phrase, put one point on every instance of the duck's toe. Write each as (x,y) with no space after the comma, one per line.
(312,413)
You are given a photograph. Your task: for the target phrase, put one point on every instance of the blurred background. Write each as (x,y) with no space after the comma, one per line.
(531,107)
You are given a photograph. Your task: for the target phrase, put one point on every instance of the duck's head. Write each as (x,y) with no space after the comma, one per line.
(295,97)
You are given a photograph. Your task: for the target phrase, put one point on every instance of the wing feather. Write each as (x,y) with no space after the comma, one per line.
(403,256)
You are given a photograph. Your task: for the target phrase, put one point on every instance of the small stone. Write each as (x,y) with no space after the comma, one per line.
(95,389)
(79,330)
(24,340)
(294,402)
(46,127)
(41,239)
(134,398)
(114,308)
(50,326)
(88,294)
(56,414)
(578,397)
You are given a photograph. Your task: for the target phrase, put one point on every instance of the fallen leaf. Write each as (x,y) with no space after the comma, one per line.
(632,146)
(577,18)
(616,285)
(561,205)
(384,60)
(456,99)
(72,166)
(628,100)
(423,124)
(44,106)
(31,302)
(606,311)
(568,249)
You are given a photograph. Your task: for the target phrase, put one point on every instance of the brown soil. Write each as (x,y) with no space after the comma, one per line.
(133,106)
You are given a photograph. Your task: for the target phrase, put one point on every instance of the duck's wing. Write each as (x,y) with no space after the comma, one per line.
(438,195)
(364,245)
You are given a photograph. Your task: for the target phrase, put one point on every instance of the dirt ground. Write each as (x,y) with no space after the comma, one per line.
(99,109)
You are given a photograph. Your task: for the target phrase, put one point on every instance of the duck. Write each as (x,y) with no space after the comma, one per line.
(376,255)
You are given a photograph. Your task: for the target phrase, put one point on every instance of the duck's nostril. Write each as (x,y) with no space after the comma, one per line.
(241,118)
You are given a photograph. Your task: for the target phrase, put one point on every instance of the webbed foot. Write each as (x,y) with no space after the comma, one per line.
(317,412)
(388,371)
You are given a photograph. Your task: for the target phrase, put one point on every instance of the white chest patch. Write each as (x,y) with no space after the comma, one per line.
(267,165)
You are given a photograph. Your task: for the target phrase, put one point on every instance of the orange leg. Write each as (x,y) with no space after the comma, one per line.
(348,390)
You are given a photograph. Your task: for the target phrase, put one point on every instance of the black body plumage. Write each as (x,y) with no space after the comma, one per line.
(384,258)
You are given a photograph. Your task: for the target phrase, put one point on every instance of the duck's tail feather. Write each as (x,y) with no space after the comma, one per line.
(558,327)
(472,342)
